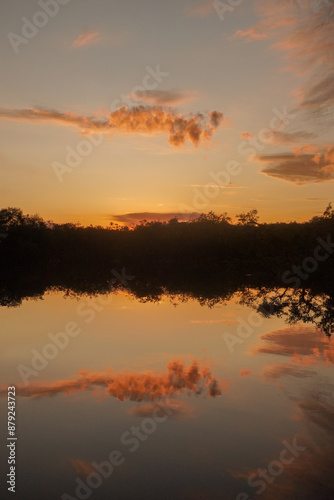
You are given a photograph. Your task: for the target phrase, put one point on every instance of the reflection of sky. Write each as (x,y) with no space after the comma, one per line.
(207,445)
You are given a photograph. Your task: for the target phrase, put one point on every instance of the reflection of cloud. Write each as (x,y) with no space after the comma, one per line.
(163,97)
(311,474)
(312,471)
(300,168)
(214,321)
(134,218)
(180,409)
(81,467)
(318,408)
(305,346)
(148,120)
(296,342)
(278,370)
(245,373)
(134,386)
(86,38)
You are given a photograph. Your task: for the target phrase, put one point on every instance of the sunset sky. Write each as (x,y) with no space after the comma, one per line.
(129,110)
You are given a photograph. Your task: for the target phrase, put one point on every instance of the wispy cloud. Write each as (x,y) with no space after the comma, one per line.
(300,168)
(148,120)
(250,34)
(181,409)
(279,370)
(285,138)
(136,217)
(303,32)
(86,37)
(164,97)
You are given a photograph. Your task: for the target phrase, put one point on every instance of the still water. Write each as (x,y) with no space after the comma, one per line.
(126,399)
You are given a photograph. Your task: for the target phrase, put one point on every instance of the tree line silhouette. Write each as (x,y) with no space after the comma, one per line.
(207,259)
(210,242)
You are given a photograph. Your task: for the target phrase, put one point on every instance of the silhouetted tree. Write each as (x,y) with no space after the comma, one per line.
(248,219)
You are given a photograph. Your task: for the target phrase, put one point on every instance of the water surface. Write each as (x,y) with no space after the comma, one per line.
(177,399)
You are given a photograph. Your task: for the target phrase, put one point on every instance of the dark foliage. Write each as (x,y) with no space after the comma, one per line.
(208,259)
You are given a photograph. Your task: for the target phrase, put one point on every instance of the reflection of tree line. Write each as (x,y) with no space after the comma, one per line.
(301,305)
(313,305)
(208,259)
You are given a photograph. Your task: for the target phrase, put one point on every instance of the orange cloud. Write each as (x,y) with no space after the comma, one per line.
(245,373)
(307,148)
(86,38)
(250,34)
(134,386)
(147,120)
(246,135)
